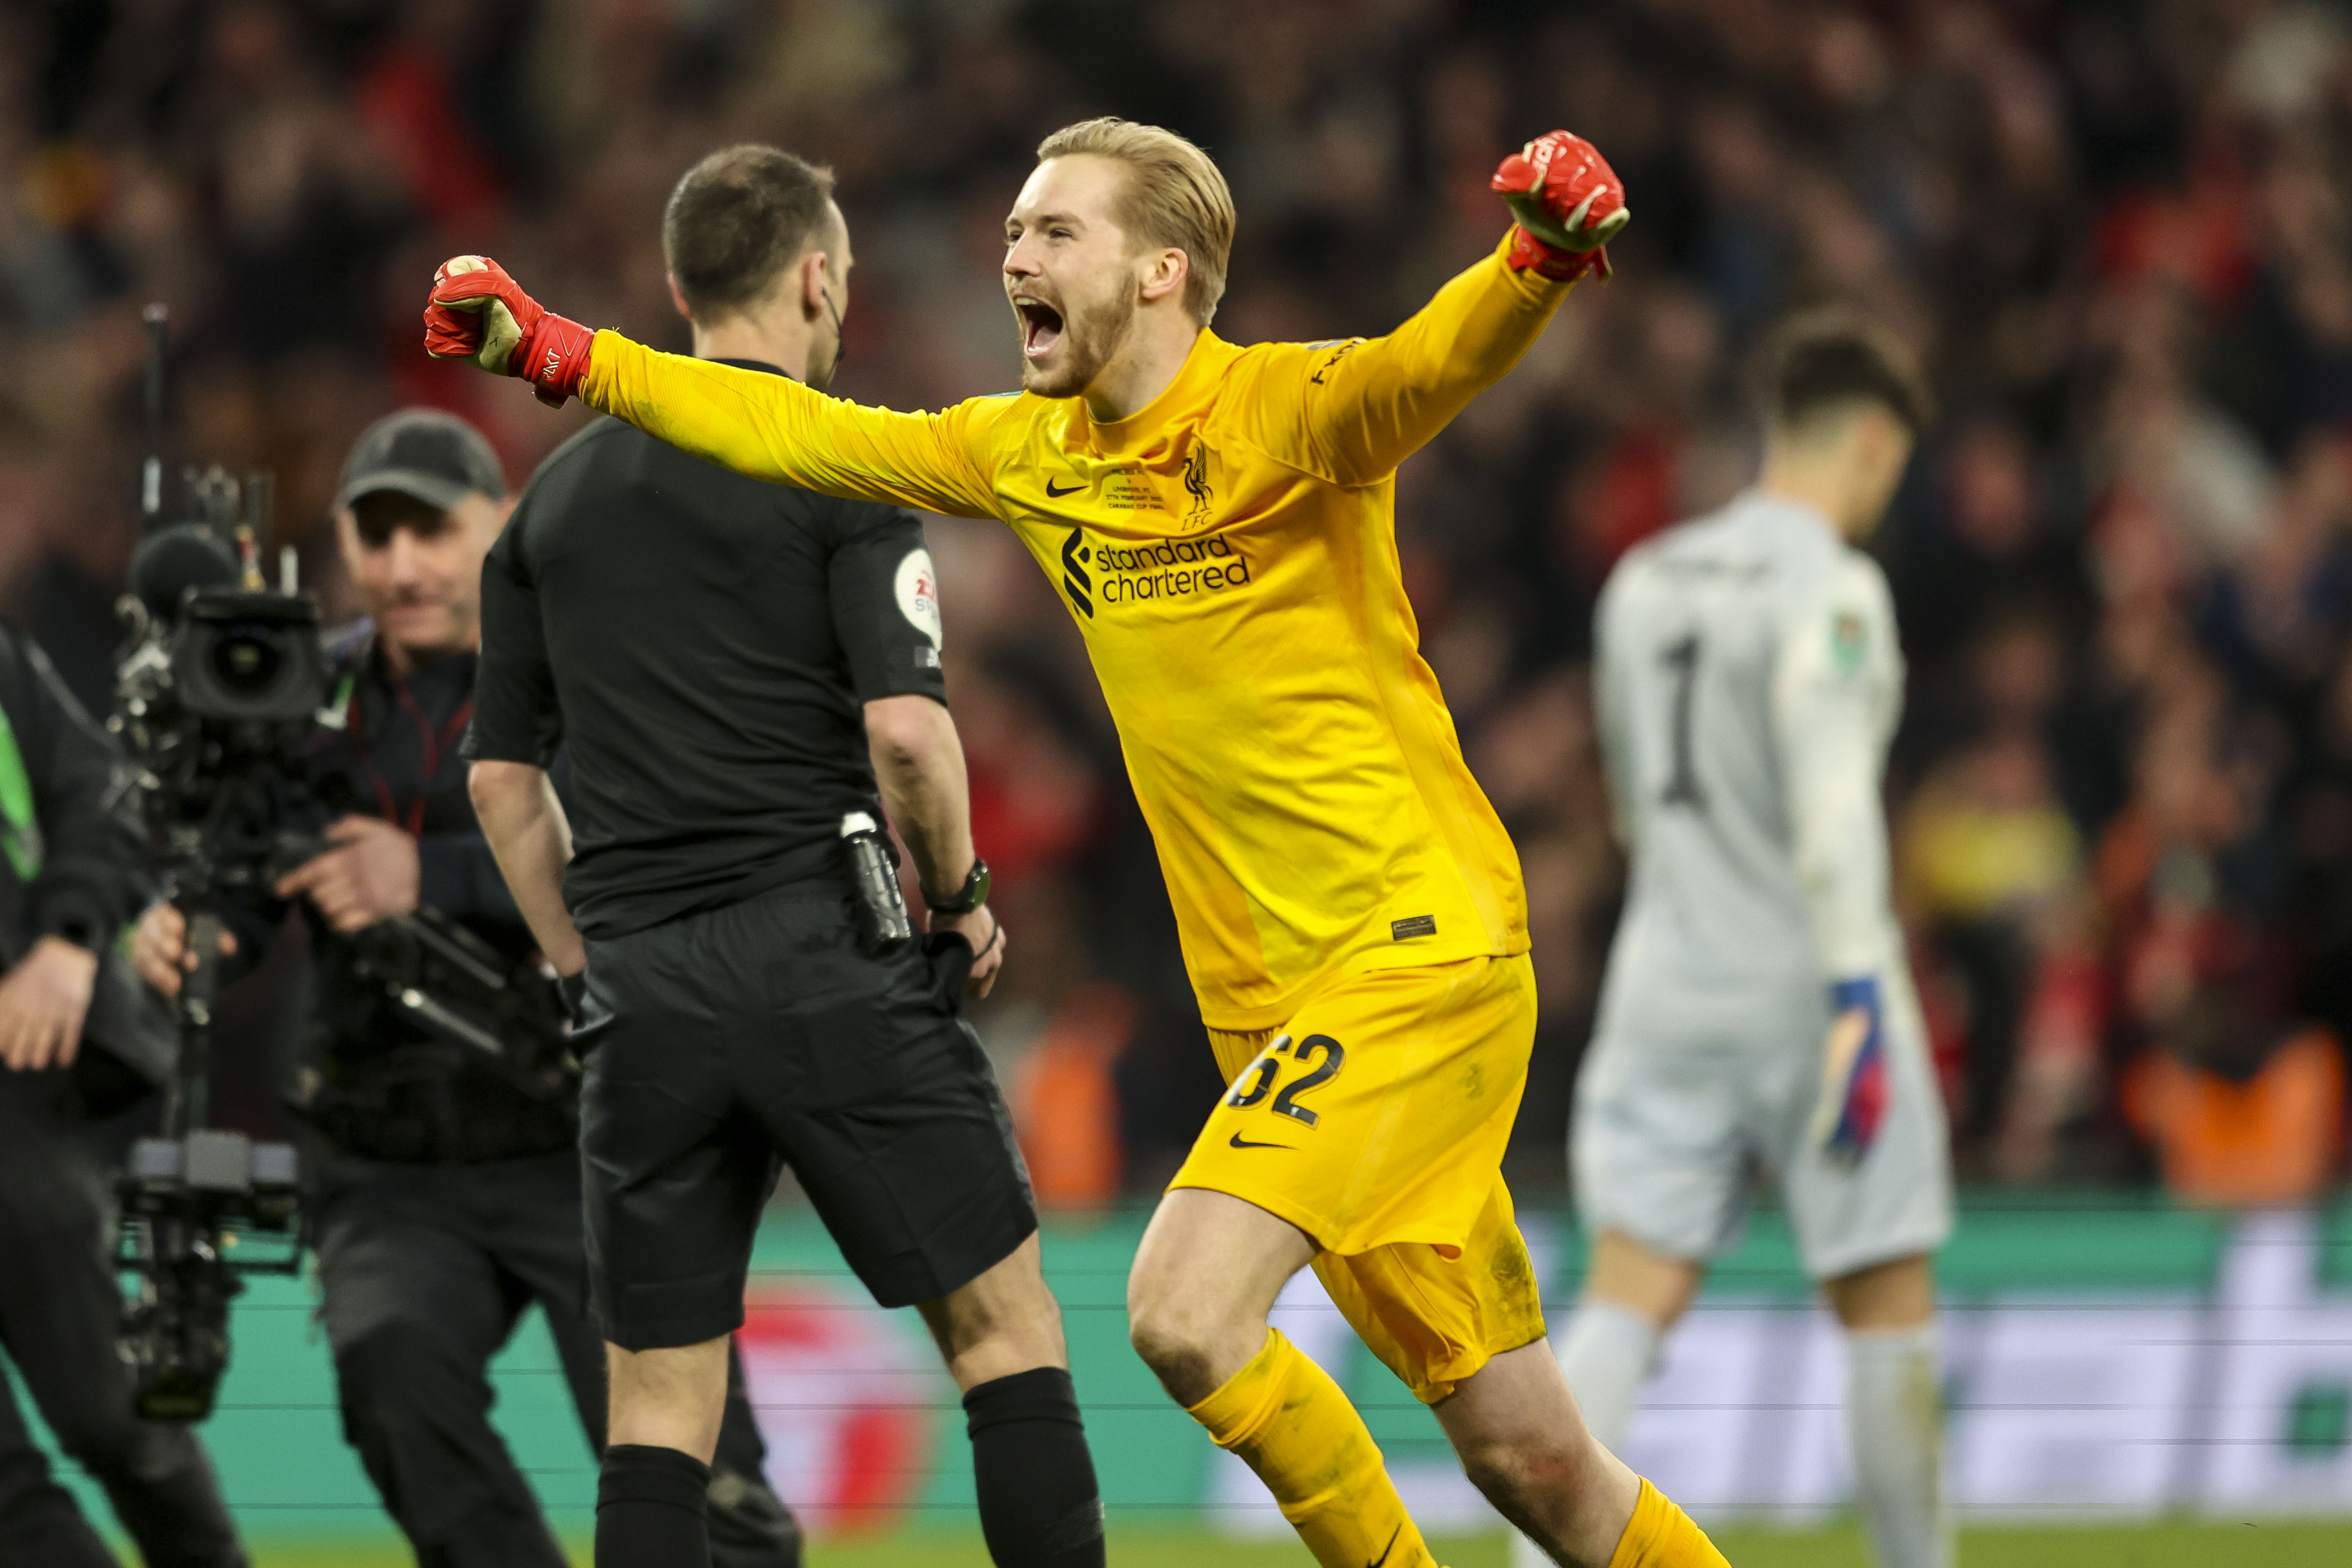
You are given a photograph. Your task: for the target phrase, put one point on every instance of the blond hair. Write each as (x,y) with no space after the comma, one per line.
(1174,196)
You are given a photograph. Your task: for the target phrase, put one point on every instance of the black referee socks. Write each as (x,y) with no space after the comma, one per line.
(651,1505)
(1039,1506)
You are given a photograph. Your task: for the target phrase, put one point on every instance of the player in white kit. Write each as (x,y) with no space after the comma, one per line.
(1758,1010)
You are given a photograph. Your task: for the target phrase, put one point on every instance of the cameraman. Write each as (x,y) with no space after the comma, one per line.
(446,1197)
(72,878)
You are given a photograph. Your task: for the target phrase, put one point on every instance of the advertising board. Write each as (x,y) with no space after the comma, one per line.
(2103,1358)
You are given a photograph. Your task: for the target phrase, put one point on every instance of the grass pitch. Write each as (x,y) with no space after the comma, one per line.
(2170,1545)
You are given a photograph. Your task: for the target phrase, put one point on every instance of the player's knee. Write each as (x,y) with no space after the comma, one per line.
(1178,1344)
(1524,1474)
(1500,1471)
(1157,1327)
(1192,1333)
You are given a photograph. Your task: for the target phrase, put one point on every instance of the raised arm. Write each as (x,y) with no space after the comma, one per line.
(1351,411)
(773,428)
(1363,406)
(767,426)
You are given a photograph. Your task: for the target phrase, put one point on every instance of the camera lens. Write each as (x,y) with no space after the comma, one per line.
(246,658)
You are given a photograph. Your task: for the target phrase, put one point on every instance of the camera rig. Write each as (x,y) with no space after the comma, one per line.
(217,692)
(221,689)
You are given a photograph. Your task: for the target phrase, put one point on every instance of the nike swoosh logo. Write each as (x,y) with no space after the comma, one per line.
(1383,1557)
(1059,494)
(1238,1142)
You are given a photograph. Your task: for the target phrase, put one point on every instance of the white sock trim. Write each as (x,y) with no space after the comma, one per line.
(1895,1417)
(1608,1355)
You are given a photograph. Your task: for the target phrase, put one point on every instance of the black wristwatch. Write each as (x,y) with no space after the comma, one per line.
(968,898)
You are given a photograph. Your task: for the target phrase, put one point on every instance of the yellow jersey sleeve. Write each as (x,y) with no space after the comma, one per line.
(1351,411)
(771,427)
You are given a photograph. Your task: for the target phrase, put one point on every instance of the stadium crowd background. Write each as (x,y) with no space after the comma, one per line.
(2119,233)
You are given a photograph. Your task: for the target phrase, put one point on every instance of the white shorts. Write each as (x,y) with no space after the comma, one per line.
(1666,1133)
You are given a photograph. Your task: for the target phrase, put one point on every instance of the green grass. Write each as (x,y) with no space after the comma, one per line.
(2170,1545)
(2152,1546)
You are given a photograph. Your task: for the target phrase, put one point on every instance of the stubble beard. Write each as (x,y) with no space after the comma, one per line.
(447,633)
(1086,349)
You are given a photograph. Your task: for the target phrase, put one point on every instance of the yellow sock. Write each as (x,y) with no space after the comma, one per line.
(1284,1414)
(1663,1536)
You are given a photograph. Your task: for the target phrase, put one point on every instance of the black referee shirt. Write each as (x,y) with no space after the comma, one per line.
(704,643)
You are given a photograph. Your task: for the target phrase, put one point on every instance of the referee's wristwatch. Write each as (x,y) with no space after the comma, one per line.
(968,898)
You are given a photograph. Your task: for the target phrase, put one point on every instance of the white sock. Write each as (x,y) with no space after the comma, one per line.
(1895,1417)
(1608,1355)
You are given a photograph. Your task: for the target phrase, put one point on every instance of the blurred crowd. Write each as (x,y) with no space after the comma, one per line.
(2119,232)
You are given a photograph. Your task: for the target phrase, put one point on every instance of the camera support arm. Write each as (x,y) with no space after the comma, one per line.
(187,1102)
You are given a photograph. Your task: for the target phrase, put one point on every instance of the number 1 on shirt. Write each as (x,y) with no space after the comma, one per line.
(1682,784)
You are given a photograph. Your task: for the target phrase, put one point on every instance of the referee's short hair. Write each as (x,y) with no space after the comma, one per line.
(737,220)
(1821,360)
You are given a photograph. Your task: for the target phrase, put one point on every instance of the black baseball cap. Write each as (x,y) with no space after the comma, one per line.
(424,453)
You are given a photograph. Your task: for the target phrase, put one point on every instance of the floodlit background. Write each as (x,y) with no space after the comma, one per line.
(2123,561)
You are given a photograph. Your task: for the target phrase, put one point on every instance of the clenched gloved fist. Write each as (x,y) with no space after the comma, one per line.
(1569,203)
(479,314)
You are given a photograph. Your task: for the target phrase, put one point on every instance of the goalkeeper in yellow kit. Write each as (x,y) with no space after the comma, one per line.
(1220,521)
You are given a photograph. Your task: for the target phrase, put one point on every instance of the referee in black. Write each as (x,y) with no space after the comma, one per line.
(746,676)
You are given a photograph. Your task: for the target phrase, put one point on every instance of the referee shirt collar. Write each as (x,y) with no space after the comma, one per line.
(758,365)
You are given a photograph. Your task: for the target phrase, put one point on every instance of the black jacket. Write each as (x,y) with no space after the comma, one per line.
(90,880)
(377,1082)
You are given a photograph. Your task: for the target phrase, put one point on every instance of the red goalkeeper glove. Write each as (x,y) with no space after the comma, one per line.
(477,313)
(1570,203)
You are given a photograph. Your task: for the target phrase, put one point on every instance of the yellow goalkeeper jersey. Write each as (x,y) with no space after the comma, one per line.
(1229,554)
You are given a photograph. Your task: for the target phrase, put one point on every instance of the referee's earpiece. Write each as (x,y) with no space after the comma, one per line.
(840,338)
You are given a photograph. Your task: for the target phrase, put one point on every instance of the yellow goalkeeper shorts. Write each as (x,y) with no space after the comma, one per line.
(1375,1122)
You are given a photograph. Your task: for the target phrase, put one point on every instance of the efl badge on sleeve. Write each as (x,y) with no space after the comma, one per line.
(1848,642)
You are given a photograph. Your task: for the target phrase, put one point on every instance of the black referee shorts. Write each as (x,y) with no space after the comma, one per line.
(721,1043)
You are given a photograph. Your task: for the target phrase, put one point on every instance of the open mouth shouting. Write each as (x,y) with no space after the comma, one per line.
(1041,326)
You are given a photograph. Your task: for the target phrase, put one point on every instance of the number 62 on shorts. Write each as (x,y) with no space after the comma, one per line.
(1379,1109)
(1258,1077)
